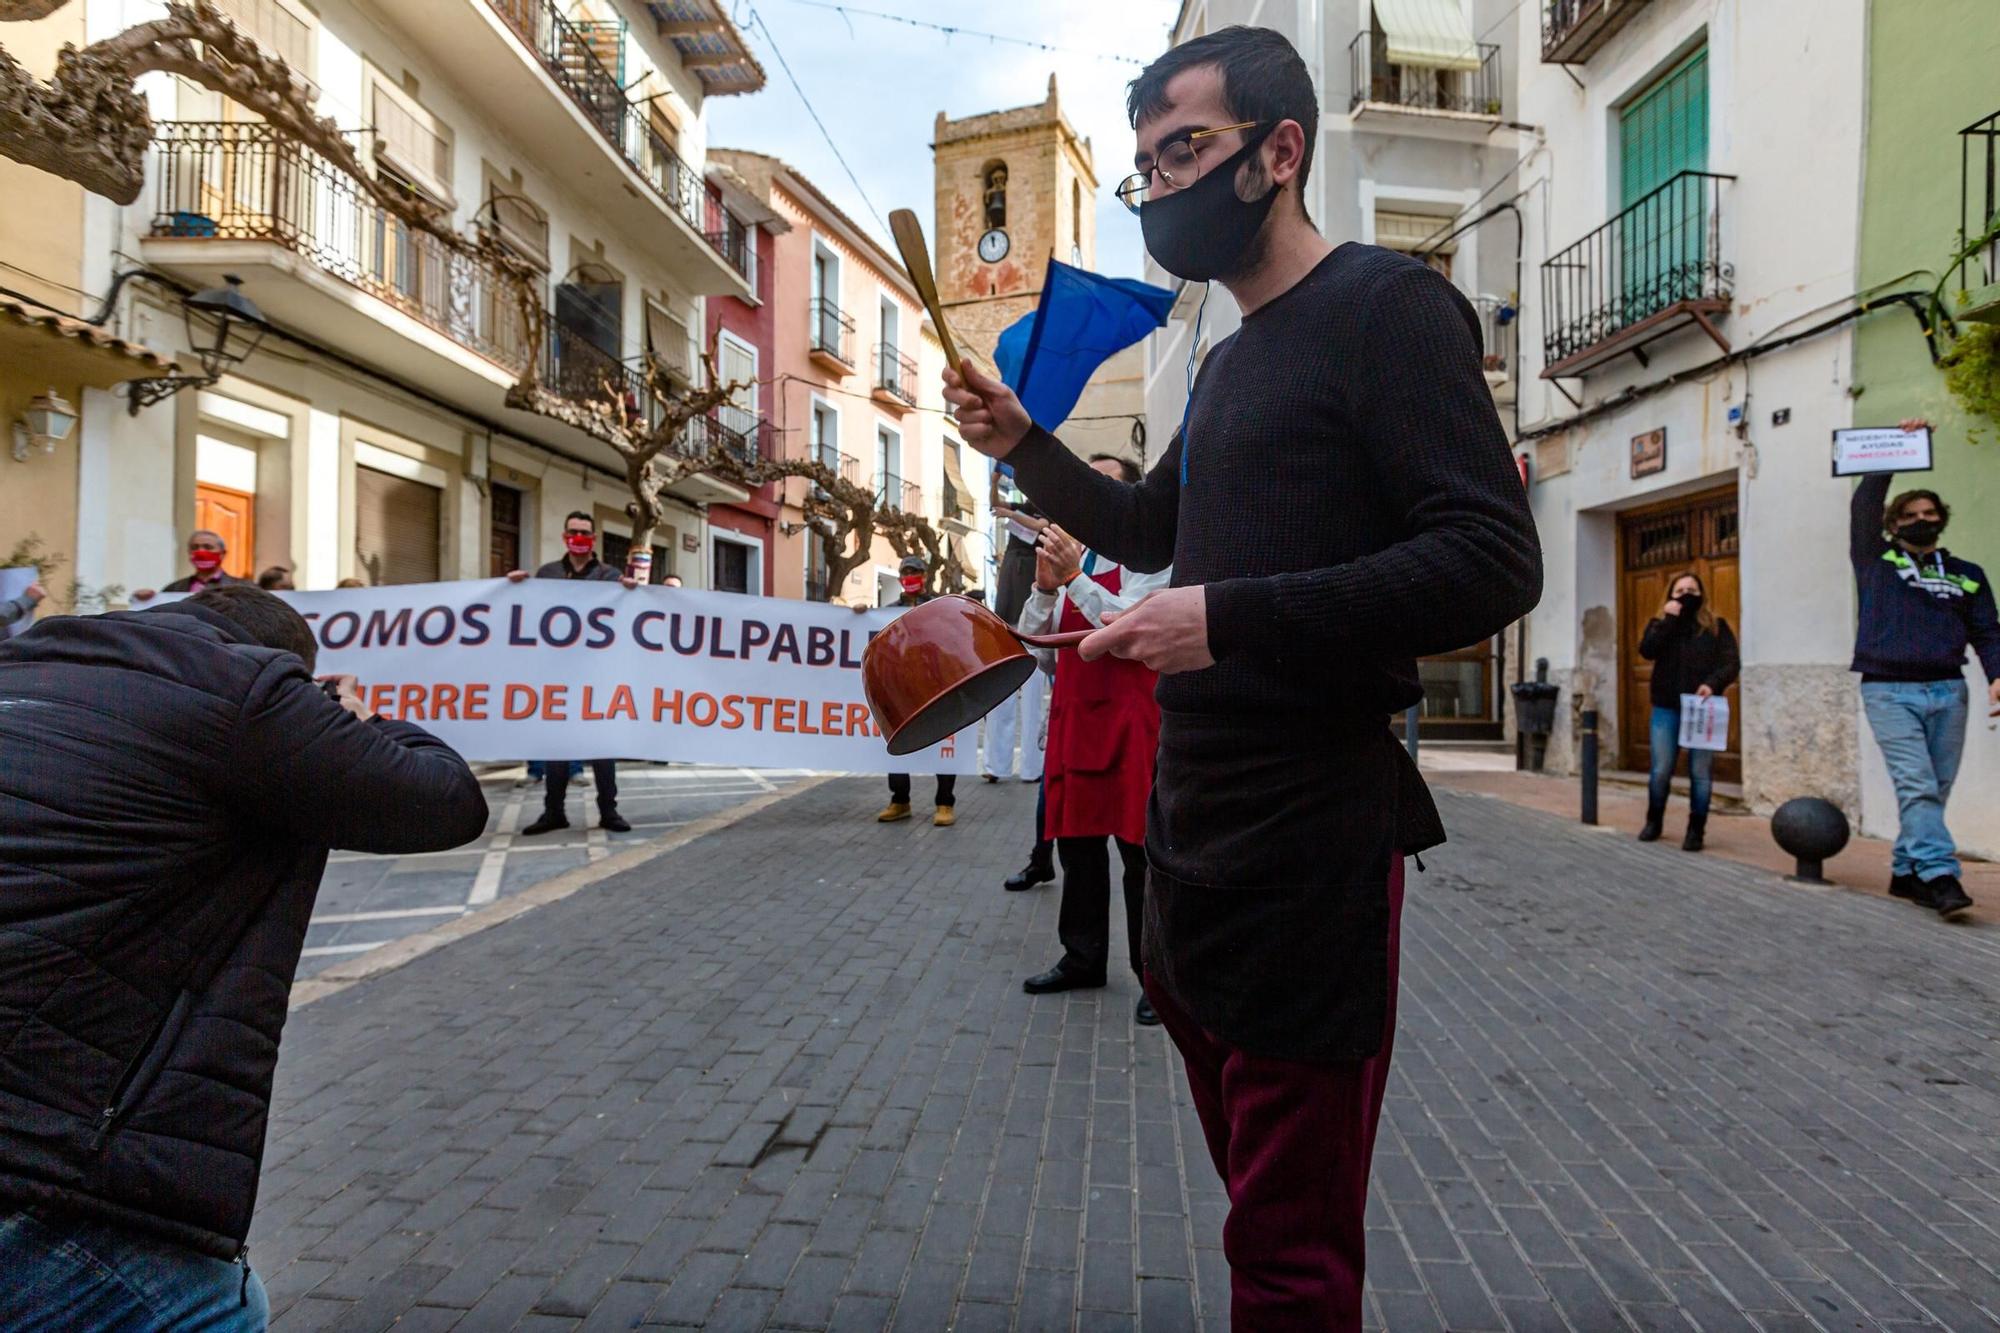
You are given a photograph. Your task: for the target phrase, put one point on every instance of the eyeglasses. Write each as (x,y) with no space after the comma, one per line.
(1178,164)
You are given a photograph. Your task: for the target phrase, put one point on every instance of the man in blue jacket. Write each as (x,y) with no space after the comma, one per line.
(170,783)
(1921,606)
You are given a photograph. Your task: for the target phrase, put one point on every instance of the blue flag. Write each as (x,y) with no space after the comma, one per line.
(1083,320)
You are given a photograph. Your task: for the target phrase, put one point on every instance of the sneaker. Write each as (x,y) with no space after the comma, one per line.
(613,822)
(945,817)
(1143,1015)
(1910,887)
(1948,896)
(893,811)
(550,821)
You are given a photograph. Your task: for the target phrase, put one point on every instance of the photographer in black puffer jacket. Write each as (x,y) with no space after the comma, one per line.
(171,781)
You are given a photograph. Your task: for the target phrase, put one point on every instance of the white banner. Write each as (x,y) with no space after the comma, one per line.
(554,669)
(1881,449)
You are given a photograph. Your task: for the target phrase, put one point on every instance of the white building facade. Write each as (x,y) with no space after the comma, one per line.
(368,436)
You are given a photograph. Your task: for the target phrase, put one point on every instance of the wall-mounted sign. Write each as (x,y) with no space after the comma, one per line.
(1649,453)
(1881,449)
(690,542)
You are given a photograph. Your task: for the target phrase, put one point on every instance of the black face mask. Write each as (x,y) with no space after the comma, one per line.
(1690,603)
(1204,231)
(1921,532)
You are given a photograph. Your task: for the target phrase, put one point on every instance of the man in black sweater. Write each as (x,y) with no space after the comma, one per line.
(1349,416)
(1921,607)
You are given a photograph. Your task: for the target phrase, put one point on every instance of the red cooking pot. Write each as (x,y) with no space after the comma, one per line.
(940,667)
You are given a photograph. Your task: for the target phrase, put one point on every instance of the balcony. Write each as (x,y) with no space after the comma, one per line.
(895,384)
(1654,269)
(546,78)
(1573,30)
(845,466)
(1423,99)
(827,334)
(892,492)
(1496,339)
(1977,277)
(321,255)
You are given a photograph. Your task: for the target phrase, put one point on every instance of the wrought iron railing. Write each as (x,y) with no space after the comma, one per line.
(892,492)
(845,466)
(575,367)
(1663,250)
(895,373)
(747,437)
(1496,331)
(828,330)
(1561,19)
(1374,78)
(234,181)
(1979,201)
(570,53)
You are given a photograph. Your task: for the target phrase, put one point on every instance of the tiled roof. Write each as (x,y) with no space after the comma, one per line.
(710,45)
(83,331)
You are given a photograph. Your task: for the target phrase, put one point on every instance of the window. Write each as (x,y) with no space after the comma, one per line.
(1076,216)
(503,546)
(826,435)
(888,467)
(736,563)
(1409,232)
(282,28)
(410,142)
(958,502)
(736,361)
(890,325)
(667,340)
(518,222)
(618,550)
(1664,130)
(995,178)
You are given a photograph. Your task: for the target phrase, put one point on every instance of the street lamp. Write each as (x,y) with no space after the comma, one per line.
(47,422)
(224,329)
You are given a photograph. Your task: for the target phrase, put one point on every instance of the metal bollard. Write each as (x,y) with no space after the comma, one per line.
(1590,765)
(1410,730)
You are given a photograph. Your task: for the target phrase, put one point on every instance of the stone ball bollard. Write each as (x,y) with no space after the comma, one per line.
(1810,830)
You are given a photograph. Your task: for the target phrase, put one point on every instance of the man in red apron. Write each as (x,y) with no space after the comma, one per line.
(1097,776)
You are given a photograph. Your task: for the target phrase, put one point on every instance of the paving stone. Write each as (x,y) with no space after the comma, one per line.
(784,1077)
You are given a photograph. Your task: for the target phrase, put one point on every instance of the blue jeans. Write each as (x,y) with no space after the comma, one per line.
(1666,747)
(1921,729)
(79,1276)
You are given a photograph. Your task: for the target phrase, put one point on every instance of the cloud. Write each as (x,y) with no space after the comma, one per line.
(878,85)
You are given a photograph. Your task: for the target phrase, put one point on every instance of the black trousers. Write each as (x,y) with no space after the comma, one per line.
(604,772)
(1043,853)
(947,792)
(1084,924)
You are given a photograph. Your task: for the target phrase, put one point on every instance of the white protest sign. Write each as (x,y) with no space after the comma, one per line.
(14,581)
(1704,722)
(556,669)
(1881,449)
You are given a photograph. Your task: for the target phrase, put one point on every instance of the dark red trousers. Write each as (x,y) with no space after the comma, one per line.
(1292,1142)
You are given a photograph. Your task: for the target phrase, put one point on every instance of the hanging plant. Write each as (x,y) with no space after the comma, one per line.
(1972,373)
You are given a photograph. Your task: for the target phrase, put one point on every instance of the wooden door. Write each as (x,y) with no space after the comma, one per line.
(231,515)
(397,533)
(1655,544)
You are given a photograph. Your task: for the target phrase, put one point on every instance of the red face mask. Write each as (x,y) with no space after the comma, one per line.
(579,543)
(913,584)
(205,562)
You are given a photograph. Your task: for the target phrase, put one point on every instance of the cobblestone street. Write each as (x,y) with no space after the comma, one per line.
(785,1077)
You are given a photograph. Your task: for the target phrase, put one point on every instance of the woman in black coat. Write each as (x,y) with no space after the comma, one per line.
(1693,652)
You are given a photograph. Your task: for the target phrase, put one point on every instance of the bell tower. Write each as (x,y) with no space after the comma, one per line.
(1014,188)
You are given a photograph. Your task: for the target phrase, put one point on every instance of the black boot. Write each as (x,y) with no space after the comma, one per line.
(1697,825)
(1655,816)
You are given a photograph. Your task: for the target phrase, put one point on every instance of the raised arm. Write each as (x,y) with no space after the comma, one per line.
(1470,562)
(305,764)
(1132,524)
(1864,518)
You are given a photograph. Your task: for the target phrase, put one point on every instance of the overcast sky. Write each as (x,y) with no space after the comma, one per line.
(878,84)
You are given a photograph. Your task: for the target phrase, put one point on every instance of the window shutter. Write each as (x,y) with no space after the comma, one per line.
(409,139)
(396,533)
(522,225)
(1664,131)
